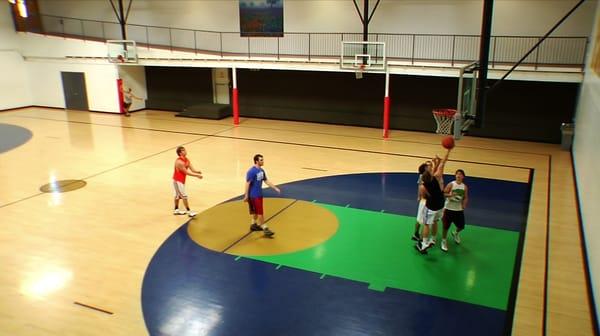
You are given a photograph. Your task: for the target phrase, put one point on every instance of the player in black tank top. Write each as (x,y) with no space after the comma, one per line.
(435,198)
(432,187)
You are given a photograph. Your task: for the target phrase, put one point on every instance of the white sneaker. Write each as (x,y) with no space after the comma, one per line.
(456,237)
(192,213)
(179,212)
(425,245)
(444,245)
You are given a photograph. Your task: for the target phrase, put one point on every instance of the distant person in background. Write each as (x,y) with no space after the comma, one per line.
(128,97)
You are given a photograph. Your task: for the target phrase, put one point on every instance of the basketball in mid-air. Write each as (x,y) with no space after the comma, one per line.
(448,142)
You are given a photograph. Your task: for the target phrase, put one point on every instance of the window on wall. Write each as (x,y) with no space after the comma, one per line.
(26,15)
(262,18)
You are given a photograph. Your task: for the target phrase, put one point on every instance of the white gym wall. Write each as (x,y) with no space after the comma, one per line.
(587,160)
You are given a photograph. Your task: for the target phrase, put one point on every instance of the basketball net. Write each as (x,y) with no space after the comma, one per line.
(444,119)
(359,71)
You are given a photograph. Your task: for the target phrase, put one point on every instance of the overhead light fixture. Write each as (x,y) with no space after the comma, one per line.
(12,1)
(22,7)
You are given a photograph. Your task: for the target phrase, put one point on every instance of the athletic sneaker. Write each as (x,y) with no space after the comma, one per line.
(444,246)
(456,237)
(255,227)
(268,233)
(421,250)
(179,212)
(431,243)
(415,237)
(192,213)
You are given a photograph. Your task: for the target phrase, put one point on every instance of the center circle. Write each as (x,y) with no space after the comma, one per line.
(297,224)
(62,186)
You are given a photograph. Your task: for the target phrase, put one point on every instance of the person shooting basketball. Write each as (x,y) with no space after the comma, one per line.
(432,190)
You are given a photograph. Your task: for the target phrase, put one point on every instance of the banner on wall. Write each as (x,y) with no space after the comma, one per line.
(262,18)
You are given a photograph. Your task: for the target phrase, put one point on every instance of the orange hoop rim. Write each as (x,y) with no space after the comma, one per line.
(445,112)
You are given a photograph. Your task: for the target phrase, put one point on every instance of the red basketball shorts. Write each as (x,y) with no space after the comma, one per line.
(255,205)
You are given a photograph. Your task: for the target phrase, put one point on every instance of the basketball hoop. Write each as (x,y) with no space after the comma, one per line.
(359,71)
(444,119)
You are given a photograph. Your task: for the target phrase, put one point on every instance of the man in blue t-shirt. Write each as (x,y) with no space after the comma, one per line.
(253,195)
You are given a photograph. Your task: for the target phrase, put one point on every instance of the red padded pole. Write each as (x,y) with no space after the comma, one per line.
(386,106)
(236,108)
(386,117)
(120,93)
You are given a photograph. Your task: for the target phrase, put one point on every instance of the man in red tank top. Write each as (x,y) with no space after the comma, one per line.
(183,167)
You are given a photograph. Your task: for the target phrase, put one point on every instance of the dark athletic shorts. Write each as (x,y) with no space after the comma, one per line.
(456,217)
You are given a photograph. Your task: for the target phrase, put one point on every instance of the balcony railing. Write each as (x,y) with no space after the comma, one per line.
(554,51)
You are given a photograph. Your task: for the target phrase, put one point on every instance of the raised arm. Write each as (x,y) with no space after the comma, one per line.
(435,162)
(439,170)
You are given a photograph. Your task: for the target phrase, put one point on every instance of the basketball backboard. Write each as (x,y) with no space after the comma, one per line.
(363,56)
(466,106)
(122,51)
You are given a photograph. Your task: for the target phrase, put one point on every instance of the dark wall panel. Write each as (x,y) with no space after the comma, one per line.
(311,96)
(528,110)
(520,110)
(175,88)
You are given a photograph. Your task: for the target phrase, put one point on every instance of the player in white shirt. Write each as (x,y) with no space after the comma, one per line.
(457,197)
(421,199)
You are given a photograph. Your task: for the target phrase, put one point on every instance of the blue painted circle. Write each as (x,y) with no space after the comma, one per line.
(188,289)
(12,136)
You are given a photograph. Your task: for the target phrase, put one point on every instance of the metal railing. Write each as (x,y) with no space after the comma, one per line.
(554,51)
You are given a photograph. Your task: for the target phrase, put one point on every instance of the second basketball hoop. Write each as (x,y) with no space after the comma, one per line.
(363,56)
(121,51)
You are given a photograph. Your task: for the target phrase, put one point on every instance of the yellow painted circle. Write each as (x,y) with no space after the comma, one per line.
(62,186)
(298,225)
